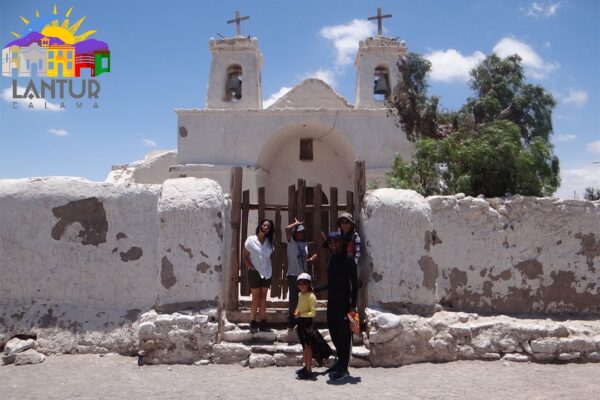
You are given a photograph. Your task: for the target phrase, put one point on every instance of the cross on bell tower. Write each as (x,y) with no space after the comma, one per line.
(237,21)
(379,17)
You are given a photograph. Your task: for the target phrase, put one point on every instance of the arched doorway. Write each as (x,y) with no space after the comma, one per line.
(317,153)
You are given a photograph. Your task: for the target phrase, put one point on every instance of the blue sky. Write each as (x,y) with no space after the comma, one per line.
(160,62)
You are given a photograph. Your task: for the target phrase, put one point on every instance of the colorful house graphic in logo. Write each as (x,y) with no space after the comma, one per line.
(53,48)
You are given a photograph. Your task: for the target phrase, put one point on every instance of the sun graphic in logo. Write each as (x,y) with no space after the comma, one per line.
(50,26)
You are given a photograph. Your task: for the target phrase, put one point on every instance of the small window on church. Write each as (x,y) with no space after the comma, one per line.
(306,149)
(233,85)
(381,84)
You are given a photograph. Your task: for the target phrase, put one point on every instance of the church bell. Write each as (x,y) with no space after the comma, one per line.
(381,86)
(234,86)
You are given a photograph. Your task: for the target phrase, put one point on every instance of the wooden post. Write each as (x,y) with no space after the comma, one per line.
(333,209)
(350,202)
(291,203)
(318,271)
(360,187)
(244,288)
(235,191)
(277,256)
(301,200)
(261,204)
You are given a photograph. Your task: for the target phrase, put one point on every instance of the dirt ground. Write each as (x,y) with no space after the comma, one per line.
(117,377)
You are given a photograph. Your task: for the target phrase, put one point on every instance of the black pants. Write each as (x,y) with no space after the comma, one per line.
(339,330)
(293,291)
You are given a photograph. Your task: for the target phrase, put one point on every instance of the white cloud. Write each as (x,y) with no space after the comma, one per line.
(37,104)
(326,75)
(58,132)
(537,10)
(575,180)
(450,65)
(531,60)
(593,147)
(576,97)
(345,38)
(565,138)
(149,143)
(276,96)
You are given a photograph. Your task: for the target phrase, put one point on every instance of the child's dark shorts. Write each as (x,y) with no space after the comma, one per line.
(306,331)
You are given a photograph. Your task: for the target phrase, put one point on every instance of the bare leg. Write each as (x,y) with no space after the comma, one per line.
(255,303)
(308,355)
(263,302)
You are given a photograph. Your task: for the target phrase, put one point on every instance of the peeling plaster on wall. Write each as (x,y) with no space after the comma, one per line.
(134,253)
(167,277)
(515,255)
(89,213)
(590,248)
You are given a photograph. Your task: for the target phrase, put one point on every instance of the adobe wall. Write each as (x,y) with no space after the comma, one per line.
(522,255)
(81,260)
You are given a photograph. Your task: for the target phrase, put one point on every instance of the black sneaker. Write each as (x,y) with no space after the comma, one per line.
(305,375)
(301,370)
(339,374)
(262,326)
(253,326)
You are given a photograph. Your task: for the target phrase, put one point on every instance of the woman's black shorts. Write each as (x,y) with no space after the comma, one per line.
(255,281)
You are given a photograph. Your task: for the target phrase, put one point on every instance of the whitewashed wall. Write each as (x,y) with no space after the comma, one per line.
(519,255)
(80,260)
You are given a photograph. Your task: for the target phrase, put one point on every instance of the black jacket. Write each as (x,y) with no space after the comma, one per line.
(341,283)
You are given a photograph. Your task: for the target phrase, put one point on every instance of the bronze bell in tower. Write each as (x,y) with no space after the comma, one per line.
(381,85)
(234,87)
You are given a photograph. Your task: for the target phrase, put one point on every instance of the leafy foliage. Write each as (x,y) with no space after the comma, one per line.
(592,193)
(497,143)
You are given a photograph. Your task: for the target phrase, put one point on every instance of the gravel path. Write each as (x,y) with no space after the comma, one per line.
(117,377)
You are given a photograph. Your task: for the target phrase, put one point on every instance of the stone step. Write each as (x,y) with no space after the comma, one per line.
(274,315)
(279,354)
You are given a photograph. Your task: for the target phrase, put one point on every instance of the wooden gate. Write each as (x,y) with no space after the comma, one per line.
(310,205)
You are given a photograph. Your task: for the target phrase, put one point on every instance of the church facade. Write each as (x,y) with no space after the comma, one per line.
(310,133)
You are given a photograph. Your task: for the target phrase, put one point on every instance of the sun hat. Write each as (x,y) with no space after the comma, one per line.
(304,277)
(345,215)
(298,228)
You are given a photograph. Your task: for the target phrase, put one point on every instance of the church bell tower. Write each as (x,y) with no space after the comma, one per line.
(235,80)
(376,69)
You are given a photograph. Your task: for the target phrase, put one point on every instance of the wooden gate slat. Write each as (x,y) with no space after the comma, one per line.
(235,190)
(261,204)
(276,259)
(291,203)
(333,208)
(244,287)
(350,202)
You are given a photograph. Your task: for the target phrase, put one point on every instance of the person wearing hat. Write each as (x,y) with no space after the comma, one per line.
(350,237)
(342,291)
(297,258)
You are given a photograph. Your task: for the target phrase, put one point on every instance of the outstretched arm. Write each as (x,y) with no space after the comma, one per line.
(288,229)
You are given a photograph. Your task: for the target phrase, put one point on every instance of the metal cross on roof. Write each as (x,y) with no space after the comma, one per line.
(379,17)
(237,21)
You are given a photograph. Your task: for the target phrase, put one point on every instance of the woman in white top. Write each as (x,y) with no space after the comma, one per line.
(257,258)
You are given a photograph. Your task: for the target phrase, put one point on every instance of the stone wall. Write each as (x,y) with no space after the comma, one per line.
(520,255)
(81,260)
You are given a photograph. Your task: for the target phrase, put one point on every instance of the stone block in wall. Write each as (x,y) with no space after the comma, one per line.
(76,257)
(398,231)
(190,243)
(177,338)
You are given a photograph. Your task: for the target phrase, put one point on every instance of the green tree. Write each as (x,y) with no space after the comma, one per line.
(497,143)
(592,193)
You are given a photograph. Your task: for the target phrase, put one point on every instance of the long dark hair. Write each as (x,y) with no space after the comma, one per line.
(271,230)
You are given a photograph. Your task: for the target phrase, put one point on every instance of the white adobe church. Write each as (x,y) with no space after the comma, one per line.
(310,133)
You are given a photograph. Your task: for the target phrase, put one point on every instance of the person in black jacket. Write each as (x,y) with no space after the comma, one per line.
(342,291)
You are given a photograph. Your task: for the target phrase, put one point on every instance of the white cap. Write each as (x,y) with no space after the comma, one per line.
(304,277)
